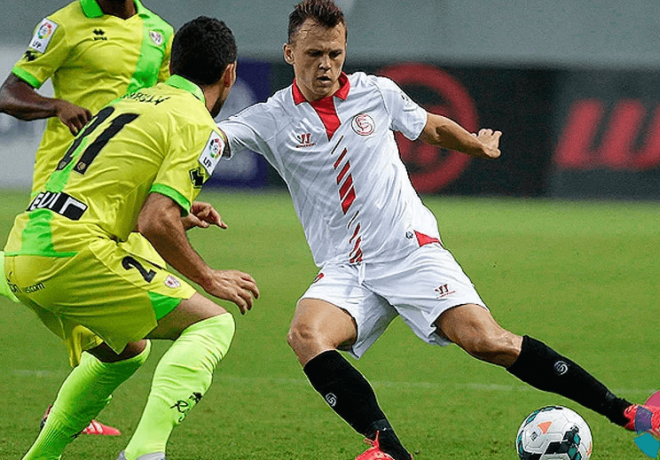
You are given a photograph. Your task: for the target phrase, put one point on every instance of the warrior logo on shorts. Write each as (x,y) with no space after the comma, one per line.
(443,291)
(363,124)
(172,282)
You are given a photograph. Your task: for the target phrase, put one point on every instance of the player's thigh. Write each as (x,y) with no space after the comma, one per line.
(362,316)
(423,286)
(75,337)
(188,312)
(117,295)
(140,246)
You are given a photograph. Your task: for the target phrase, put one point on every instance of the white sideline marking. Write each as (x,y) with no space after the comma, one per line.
(376,383)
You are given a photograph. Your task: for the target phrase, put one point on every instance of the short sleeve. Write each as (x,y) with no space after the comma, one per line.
(249,129)
(193,154)
(407,117)
(47,50)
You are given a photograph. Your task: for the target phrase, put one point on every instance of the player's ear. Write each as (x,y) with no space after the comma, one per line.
(229,76)
(288,53)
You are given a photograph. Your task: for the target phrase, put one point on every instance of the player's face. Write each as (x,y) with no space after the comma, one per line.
(317,54)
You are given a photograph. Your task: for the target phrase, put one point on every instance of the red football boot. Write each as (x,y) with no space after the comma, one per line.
(374,452)
(95,428)
(643,419)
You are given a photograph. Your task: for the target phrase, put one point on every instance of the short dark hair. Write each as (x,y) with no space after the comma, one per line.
(325,12)
(202,49)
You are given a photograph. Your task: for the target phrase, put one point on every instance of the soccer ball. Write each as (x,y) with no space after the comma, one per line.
(554,433)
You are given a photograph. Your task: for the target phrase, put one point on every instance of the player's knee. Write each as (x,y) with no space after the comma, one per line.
(301,337)
(497,347)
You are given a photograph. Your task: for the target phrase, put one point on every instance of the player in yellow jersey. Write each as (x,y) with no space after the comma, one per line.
(94,51)
(139,163)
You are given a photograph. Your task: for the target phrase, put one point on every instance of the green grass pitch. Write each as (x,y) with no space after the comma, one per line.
(581,276)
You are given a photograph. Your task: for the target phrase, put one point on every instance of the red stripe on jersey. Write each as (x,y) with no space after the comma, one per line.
(357,244)
(325,107)
(357,257)
(425,239)
(348,201)
(341,157)
(357,229)
(343,171)
(345,186)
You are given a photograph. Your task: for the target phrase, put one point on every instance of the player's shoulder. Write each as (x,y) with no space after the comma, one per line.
(155,19)
(68,16)
(365,81)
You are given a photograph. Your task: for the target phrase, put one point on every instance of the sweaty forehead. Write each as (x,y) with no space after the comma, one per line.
(312,31)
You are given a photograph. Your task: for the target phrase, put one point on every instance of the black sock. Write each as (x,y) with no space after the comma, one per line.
(545,369)
(349,394)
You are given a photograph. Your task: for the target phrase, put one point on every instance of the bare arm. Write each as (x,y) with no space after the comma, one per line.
(448,134)
(160,222)
(202,215)
(20,100)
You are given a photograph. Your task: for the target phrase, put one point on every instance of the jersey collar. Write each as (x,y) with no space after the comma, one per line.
(177,81)
(92,9)
(341,93)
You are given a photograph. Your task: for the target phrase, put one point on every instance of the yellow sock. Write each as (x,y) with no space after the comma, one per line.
(84,393)
(183,375)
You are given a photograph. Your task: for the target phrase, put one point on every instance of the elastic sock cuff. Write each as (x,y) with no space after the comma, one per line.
(131,363)
(220,329)
(328,362)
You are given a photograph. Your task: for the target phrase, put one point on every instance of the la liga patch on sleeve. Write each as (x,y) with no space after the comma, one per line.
(212,152)
(43,34)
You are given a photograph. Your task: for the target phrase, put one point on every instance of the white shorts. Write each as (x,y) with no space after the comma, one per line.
(418,288)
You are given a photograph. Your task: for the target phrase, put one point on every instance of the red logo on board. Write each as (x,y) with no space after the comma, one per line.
(619,149)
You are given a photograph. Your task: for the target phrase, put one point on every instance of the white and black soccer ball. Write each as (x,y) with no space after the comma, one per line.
(554,433)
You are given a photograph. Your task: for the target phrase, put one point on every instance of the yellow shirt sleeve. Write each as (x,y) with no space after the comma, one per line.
(189,163)
(47,50)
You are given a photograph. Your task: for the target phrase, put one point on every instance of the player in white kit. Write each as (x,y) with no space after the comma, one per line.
(330,136)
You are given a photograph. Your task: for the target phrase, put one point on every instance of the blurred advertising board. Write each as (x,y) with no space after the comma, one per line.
(566,133)
(607,135)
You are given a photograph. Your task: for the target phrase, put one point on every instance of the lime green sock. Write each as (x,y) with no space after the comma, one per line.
(4,287)
(183,375)
(85,392)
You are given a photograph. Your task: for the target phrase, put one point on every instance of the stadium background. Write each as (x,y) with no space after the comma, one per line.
(573,86)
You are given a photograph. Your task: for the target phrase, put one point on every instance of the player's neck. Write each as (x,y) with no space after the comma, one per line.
(121,9)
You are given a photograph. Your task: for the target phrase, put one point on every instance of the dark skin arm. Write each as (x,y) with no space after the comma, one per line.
(160,222)
(20,100)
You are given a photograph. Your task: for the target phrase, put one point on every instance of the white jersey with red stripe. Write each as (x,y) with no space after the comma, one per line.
(340,161)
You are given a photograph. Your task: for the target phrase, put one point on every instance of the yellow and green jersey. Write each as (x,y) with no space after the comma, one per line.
(91,59)
(160,139)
